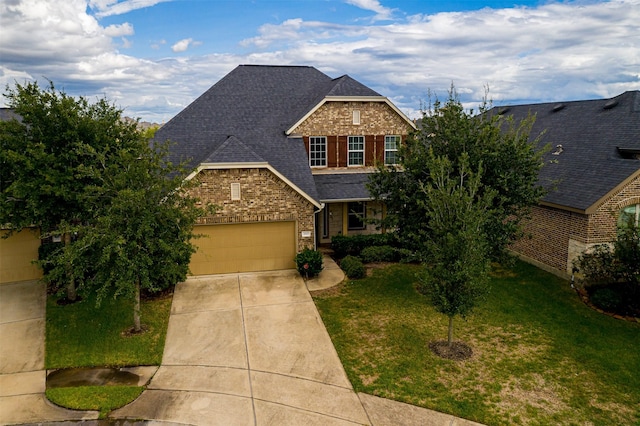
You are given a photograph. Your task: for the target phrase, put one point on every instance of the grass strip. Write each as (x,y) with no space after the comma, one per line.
(540,355)
(96,398)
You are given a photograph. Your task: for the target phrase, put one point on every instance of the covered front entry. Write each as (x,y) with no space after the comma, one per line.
(244,247)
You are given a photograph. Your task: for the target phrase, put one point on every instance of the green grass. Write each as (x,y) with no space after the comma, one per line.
(540,355)
(97,398)
(83,335)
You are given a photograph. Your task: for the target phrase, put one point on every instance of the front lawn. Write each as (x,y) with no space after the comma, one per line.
(83,335)
(540,355)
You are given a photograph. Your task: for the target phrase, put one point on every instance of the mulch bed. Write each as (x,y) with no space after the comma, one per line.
(458,351)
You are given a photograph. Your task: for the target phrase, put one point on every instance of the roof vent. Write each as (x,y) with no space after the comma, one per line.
(629,153)
(558,150)
(610,104)
(558,107)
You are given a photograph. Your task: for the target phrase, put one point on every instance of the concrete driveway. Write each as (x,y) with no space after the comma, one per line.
(241,349)
(248,349)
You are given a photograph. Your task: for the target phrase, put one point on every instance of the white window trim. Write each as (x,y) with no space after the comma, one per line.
(391,150)
(349,151)
(325,151)
(235,192)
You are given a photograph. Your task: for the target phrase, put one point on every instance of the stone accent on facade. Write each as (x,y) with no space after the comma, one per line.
(336,118)
(556,237)
(264,197)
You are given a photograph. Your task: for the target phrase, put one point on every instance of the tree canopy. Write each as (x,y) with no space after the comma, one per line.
(79,169)
(43,153)
(511,163)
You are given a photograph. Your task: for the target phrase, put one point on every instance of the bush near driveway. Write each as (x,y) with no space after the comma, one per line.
(540,355)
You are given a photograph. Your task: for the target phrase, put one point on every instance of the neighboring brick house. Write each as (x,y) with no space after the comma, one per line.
(592,173)
(285,153)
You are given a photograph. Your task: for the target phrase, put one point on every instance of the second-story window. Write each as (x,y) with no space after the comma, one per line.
(318,151)
(391,144)
(356,150)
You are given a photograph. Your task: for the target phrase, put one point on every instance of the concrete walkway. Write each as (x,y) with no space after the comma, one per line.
(241,349)
(22,374)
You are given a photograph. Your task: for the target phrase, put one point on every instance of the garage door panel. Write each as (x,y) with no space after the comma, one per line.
(244,248)
(16,256)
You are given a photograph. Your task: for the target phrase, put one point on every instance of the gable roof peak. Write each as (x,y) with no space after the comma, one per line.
(233,150)
(347,86)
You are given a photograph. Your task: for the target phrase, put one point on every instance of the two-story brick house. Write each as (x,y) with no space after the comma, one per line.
(285,153)
(592,173)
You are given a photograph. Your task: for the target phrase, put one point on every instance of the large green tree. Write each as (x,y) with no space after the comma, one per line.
(454,241)
(511,162)
(142,232)
(42,156)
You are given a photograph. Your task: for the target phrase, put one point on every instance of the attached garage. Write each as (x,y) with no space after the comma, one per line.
(244,247)
(16,255)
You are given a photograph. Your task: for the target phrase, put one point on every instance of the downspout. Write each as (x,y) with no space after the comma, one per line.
(315,227)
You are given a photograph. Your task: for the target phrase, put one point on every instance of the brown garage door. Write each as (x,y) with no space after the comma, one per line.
(16,254)
(244,247)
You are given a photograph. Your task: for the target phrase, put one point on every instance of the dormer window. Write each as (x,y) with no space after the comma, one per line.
(356,117)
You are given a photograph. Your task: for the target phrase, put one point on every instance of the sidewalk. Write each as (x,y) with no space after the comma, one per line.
(22,374)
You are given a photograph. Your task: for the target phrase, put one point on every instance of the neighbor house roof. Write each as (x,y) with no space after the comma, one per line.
(584,166)
(8,114)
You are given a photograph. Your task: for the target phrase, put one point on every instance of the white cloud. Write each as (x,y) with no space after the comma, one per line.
(119,7)
(557,51)
(382,13)
(119,30)
(182,45)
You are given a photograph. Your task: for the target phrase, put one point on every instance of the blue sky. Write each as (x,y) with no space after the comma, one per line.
(153,57)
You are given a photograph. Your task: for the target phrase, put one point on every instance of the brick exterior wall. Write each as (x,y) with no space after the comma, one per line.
(555,237)
(263,198)
(336,118)
(335,121)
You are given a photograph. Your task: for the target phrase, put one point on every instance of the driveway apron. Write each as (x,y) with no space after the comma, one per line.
(248,349)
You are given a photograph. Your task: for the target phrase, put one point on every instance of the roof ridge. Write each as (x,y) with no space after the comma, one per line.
(229,145)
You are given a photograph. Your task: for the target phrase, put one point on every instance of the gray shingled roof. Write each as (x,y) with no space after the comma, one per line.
(590,165)
(346,186)
(244,116)
(8,114)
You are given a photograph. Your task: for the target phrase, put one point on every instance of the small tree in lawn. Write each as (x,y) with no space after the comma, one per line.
(455,249)
(42,156)
(143,227)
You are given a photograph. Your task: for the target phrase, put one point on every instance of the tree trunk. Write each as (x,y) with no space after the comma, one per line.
(136,309)
(71,285)
(450,338)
